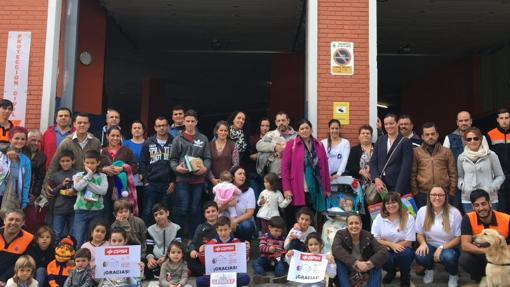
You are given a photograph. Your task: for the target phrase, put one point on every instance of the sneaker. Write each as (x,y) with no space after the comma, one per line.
(259,279)
(388,277)
(280,280)
(453,280)
(429,276)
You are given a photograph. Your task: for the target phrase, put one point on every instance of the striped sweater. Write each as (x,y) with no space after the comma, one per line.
(266,242)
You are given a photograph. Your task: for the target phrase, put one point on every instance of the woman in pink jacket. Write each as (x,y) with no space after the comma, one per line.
(305,170)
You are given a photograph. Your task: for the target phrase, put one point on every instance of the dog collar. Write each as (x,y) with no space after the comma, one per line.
(504,264)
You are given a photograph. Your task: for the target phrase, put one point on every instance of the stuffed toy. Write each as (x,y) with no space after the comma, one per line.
(125,185)
(59,269)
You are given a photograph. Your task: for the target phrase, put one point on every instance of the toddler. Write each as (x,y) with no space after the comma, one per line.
(174,271)
(42,250)
(270,199)
(23,273)
(81,275)
(225,191)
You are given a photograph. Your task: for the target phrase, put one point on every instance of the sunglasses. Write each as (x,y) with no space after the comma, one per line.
(472,139)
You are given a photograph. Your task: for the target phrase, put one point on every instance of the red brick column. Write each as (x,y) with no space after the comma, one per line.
(26,15)
(346,21)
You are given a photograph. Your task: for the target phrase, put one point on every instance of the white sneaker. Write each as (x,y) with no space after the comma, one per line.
(453,280)
(429,277)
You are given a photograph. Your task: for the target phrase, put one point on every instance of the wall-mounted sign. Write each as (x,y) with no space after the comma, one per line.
(16,74)
(342,58)
(341,112)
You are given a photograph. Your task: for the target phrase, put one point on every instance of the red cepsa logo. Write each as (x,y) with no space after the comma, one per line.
(311,257)
(116,251)
(224,248)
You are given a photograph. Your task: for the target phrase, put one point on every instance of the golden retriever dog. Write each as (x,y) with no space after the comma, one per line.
(498,258)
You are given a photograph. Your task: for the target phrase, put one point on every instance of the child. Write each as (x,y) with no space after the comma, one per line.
(301,229)
(224,230)
(60,268)
(134,226)
(271,253)
(270,199)
(23,273)
(313,244)
(42,250)
(225,191)
(61,188)
(81,276)
(158,236)
(91,185)
(204,232)
(119,238)
(174,271)
(99,236)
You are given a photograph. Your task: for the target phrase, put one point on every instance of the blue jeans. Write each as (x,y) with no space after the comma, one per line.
(40,276)
(187,205)
(469,207)
(153,193)
(263,264)
(343,272)
(402,260)
(81,224)
(62,223)
(245,230)
(242,280)
(449,258)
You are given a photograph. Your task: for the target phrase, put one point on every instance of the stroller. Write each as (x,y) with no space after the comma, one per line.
(346,197)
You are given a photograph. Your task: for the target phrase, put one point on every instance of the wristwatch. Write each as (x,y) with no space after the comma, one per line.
(441,246)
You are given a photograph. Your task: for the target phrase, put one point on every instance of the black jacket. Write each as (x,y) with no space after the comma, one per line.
(397,174)
(155,161)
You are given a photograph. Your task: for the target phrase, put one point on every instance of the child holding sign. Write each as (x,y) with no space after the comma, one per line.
(314,244)
(224,230)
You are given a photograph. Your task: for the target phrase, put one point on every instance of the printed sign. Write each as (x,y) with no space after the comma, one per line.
(16,74)
(342,58)
(307,267)
(228,257)
(341,112)
(118,261)
(226,279)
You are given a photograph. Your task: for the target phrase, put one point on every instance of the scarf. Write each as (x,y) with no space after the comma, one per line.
(237,136)
(475,155)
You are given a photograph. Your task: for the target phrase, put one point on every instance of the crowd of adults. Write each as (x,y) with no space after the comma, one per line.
(468,172)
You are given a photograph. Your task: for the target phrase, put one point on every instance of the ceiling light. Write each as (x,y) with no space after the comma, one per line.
(382,106)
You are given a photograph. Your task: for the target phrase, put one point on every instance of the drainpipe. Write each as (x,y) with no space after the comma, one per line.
(69,58)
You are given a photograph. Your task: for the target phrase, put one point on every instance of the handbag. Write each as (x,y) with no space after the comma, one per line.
(370,192)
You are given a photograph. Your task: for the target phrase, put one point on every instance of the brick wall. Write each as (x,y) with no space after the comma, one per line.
(26,15)
(343,21)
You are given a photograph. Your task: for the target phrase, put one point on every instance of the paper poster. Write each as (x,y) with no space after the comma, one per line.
(341,112)
(118,261)
(16,74)
(307,267)
(227,279)
(228,257)
(407,202)
(342,58)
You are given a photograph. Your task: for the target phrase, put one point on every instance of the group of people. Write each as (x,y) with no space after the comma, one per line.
(112,189)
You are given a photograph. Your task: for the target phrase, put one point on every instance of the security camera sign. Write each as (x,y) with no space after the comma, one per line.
(342,58)
(118,261)
(341,112)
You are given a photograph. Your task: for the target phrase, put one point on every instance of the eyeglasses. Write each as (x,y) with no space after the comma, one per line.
(437,195)
(472,139)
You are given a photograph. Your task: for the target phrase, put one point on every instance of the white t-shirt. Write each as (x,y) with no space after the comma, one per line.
(385,229)
(436,236)
(337,155)
(245,201)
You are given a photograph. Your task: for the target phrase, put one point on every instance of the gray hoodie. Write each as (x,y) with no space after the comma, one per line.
(198,147)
